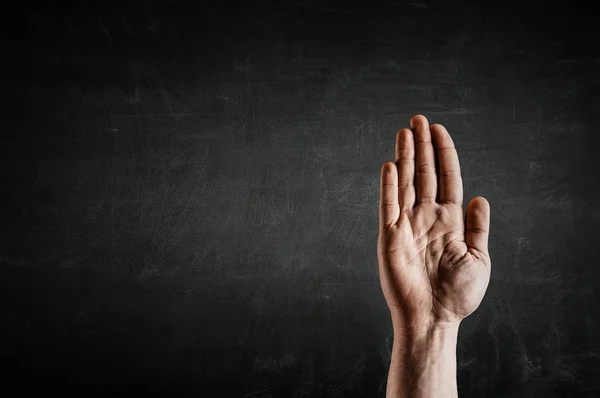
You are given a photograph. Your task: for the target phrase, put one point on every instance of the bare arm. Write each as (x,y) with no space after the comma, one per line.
(424,365)
(434,265)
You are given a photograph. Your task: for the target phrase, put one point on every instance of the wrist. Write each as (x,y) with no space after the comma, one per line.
(433,341)
(424,362)
(404,324)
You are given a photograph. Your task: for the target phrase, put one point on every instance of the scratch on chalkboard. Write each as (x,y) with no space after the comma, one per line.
(569,92)
(322,152)
(523,244)
(418,5)
(181,223)
(514,108)
(345,283)
(358,129)
(108,35)
(78,315)
(263,83)
(451,112)
(206,115)
(326,194)
(493,332)
(518,336)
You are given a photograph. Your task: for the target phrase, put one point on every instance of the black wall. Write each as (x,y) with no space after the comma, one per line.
(191,192)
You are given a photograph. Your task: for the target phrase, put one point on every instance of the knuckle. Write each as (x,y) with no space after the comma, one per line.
(450,173)
(406,153)
(476,230)
(426,169)
(427,200)
(409,182)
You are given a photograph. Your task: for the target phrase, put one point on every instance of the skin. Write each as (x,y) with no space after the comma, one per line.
(434,265)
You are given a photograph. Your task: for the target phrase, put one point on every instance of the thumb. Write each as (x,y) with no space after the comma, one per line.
(478,224)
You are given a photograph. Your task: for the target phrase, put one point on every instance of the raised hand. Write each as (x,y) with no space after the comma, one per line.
(434,266)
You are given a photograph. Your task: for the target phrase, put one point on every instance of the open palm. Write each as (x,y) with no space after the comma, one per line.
(434,266)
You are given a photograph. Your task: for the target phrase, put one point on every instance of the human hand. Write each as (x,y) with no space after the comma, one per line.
(434,267)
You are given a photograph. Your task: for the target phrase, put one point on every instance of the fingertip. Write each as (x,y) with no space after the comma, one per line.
(478,212)
(441,136)
(418,119)
(438,128)
(388,168)
(403,133)
(479,203)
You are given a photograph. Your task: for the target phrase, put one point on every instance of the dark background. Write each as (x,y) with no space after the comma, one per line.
(191,190)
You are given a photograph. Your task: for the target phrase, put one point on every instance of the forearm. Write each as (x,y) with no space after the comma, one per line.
(424,364)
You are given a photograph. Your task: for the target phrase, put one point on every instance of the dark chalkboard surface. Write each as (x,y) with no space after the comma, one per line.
(191,194)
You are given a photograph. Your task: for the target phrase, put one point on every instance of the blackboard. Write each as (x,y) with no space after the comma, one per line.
(191,195)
